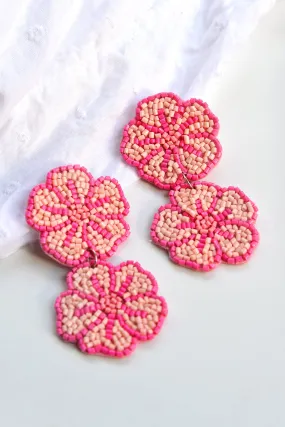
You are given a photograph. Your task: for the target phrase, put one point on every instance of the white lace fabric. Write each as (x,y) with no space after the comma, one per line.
(72,71)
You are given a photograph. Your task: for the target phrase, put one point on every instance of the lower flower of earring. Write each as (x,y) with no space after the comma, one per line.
(108,309)
(205,224)
(81,220)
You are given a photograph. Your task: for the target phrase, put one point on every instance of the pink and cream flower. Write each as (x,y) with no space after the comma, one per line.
(170,137)
(205,225)
(76,214)
(108,310)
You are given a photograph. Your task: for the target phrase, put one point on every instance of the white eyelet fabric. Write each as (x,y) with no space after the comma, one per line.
(72,71)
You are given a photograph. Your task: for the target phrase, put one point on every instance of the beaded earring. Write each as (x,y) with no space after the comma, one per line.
(106,309)
(173,145)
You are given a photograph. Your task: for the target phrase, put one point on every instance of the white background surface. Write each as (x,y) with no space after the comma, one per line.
(219,360)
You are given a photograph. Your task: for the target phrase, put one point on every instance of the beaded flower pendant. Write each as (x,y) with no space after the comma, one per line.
(205,225)
(170,139)
(74,213)
(106,310)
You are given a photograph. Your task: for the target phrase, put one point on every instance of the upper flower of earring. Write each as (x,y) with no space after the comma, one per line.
(76,214)
(169,138)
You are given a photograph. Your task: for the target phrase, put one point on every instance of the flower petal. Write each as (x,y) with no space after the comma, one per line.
(66,245)
(237,240)
(201,199)
(232,203)
(158,111)
(76,313)
(90,280)
(138,143)
(45,211)
(108,338)
(199,118)
(143,315)
(197,155)
(199,252)
(129,278)
(104,235)
(70,183)
(108,198)
(171,226)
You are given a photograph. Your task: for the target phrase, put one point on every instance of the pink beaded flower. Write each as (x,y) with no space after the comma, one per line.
(108,310)
(205,225)
(75,213)
(169,137)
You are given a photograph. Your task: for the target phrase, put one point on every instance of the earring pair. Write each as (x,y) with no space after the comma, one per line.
(108,309)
